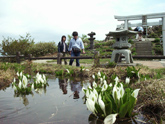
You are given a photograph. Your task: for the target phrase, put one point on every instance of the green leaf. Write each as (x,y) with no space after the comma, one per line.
(108,108)
(131,105)
(123,110)
(99,111)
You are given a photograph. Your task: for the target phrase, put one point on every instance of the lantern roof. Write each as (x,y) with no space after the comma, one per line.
(121,32)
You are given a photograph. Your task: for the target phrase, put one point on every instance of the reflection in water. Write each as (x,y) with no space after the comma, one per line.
(51,108)
(63,85)
(76,88)
(24,99)
(40,90)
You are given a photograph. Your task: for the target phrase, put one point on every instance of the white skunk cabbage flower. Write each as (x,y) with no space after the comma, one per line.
(14,80)
(121,90)
(95,92)
(24,81)
(20,84)
(116,80)
(101,104)
(93,76)
(135,93)
(17,73)
(90,105)
(127,80)
(105,86)
(67,70)
(93,97)
(20,74)
(101,80)
(110,84)
(99,74)
(118,92)
(94,84)
(110,119)
(138,75)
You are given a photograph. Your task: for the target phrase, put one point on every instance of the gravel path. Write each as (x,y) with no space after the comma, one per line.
(150,64)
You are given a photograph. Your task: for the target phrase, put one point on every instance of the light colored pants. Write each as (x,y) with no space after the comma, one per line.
(64,55)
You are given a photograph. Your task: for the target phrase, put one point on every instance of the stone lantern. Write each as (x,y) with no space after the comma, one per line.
(91,39)
(121,45)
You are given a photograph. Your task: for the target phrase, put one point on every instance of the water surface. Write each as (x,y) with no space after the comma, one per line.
(60,103)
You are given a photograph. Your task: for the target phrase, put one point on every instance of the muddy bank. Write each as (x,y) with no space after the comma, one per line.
(6,77)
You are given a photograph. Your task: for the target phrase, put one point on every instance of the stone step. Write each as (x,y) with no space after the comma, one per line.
(143,49)
(144,53)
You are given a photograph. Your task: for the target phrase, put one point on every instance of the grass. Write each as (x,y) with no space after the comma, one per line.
(83,61)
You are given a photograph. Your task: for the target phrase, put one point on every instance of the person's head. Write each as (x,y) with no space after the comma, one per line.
(76,95)
(64,91)
(75,34)
(63,38)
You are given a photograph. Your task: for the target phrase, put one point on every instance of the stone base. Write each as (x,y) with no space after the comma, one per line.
(116,54)
(125,64)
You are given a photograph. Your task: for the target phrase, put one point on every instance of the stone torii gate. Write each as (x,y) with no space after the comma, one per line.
(144,22)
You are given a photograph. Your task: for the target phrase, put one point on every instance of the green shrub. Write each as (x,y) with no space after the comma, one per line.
(133,50)
(98,45)
(110,42)
(27,46)
(42,48)
(130,41)
(111,64)
(157,40)
(153,35)
(11,46)
(158,50)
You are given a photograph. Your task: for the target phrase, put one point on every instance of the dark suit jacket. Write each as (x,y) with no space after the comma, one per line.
(61,47)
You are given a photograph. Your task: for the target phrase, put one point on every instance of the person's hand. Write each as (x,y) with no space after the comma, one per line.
(69,52)
(83,51)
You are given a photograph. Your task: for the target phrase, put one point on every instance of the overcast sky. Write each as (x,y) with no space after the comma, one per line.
(48,20)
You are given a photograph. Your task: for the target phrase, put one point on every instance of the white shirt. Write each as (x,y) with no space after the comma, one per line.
(64,47)
(76,44)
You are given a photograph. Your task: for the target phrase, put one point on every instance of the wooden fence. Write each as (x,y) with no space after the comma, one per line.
(59,57)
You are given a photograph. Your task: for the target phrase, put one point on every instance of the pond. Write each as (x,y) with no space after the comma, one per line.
(60,103)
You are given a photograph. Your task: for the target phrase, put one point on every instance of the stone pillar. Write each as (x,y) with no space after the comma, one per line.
(126,24)
(91,39)
(163,34)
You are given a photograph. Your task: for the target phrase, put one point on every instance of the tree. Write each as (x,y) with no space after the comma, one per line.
(69,37)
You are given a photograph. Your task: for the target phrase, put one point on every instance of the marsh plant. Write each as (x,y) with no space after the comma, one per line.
(132,72)
(82,69)
(40,81)
(99,76)
(59,73)
(4,66)
(24,86)
(21,86)
(111,64)
(108,101)
(70,72)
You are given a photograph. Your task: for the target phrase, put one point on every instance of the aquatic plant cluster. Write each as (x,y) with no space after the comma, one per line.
(108,101)
(23,85)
